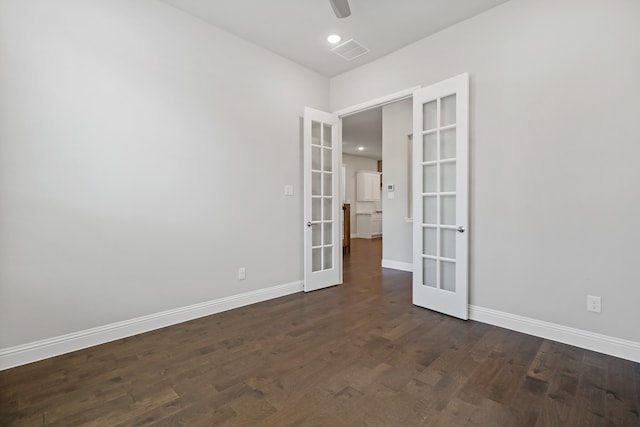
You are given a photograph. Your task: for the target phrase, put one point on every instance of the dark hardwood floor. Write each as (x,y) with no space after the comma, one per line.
(356,354)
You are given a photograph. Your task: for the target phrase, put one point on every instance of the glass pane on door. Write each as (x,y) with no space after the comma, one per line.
(430,115)
(429,272)
(316,236)
(448,243)
(328,209)
(429,241)
(326,161)
(316,209)
(430,210)
(315,133)
(316,159)
(316,259)
(430,174)
(448,177)
(448,144)
(430,147)
(448,210)
(448,110)
(327,184)
(328,233)
(448,276)
(326,135)
(327,263)
(316,184)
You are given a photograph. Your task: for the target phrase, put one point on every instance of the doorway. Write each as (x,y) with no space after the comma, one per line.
(439,125)
(362,163)
(375,149)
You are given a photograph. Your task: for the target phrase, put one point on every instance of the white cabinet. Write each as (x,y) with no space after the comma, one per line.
(369,225)
(376,224)
(368,186)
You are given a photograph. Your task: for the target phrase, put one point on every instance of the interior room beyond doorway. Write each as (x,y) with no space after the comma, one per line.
(376,186)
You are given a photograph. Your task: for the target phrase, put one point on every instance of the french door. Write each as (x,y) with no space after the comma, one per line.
(440,196)
(322,245)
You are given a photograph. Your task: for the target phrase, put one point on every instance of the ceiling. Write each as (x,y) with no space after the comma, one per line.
(363,130)
(297,29)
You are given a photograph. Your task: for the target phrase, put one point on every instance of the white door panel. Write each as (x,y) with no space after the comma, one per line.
(322,245)
(440,196)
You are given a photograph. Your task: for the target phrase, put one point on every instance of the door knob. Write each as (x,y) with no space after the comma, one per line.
(309,224)
(461,229)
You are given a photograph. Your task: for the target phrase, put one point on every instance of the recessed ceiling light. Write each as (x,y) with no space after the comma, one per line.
(361,148)
(334,38)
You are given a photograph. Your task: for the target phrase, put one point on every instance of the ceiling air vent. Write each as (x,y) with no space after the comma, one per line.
(349,50)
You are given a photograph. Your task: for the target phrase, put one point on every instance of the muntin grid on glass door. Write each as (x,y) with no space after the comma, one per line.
(439,193)
(322,178)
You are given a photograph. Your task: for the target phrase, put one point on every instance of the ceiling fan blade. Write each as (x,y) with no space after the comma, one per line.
(341,8)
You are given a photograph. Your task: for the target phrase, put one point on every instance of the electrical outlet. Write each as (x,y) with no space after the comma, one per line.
(594,304)
(288,190)
(242,273)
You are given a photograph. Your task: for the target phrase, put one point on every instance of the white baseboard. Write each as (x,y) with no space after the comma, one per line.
(32,352)
(618,347)
(397,265)
(354,236)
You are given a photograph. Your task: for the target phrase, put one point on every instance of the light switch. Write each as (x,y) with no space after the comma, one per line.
(391,195)
(288,190)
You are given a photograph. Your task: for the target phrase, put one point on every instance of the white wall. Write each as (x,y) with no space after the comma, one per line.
(143,155)
(397,123)
(353,164)
(554,153)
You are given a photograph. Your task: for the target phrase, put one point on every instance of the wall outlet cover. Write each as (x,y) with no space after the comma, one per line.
(594,304)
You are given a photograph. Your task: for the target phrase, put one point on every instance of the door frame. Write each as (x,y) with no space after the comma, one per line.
(358,108)
(376,102)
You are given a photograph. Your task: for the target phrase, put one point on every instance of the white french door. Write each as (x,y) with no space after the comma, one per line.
(440,196)
(322,245)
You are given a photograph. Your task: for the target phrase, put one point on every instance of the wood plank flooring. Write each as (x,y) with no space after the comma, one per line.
(352,355)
